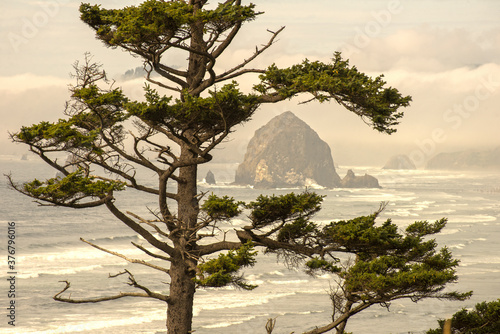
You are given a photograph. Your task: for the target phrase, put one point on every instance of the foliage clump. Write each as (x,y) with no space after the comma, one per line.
(222,271)
(484,318)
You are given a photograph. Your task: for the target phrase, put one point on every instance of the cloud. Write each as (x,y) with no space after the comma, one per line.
(27,81)
(437,54)
(26,99)
(426,49)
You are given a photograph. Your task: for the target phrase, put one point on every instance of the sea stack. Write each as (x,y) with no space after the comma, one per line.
(353,181)
(210,178)
(286,152)
(400,161)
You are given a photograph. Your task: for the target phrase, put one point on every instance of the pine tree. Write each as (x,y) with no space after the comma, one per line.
(187,111)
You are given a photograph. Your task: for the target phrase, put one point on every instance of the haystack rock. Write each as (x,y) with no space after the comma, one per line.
(400,161)
(286,152)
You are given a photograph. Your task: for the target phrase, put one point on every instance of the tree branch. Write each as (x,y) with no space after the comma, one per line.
(225,75)
(150,253)
(132,282)
(203,250)
(339,320)
(160,84)
(70,204)
(57,297)
(126,258)
(140,230)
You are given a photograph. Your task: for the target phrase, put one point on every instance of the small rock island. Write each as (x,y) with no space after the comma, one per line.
(400,161)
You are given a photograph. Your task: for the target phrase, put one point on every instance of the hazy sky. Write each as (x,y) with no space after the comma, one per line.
(445,53)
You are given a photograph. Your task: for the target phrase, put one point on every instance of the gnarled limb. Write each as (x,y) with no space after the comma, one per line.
(149,223)
(150,253)
(126,258)
(217,247)
(132,282)
(140,230)
(233,73)
(58,297)
(339,320)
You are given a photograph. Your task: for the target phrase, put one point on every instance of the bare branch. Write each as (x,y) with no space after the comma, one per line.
(132,282)
(150,293)
(126,258)
(339,320)
(139,229)
(160,84)
(172,70)
(226,75)
(271,323)
(133,182)
(150,253)
(149,223)
(217,246)
(57,297)
(148,164)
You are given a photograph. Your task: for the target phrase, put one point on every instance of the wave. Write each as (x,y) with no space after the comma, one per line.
(381,197)
(68,262)
(115,238)
(250,318)
(400,212)
(448,231)
(297,281)
(57,272)
(89,326)
(64,244)
(480,272)
(86,252)
(230,323)
(489,260)
(479,218)
(211,302)
(444,212)
(226,185)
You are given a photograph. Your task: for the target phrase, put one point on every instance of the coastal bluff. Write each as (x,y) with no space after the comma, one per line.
(466,160)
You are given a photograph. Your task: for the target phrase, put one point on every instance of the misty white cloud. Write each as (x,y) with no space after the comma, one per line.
(438,51)
(27,81)
(427,49)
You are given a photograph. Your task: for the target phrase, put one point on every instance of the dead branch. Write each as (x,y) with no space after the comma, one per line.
(57,297)
(232,73)
(132,282)
(271,323)
(147,222)
(150,253)
(126,258)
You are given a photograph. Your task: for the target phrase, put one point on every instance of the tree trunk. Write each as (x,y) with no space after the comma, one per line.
(180,307)
(183,266)
(343,324)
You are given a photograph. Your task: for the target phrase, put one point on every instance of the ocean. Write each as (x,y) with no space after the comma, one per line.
(48,251)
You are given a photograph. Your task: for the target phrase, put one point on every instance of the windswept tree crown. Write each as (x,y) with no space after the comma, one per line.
(170,135)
